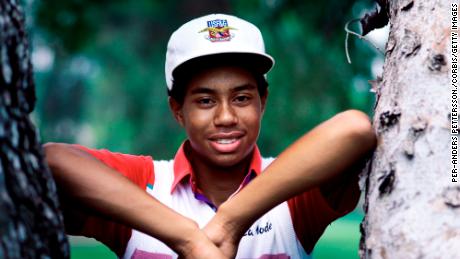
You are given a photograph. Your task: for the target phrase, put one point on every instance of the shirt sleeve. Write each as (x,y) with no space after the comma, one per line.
(311,213)
(139,170)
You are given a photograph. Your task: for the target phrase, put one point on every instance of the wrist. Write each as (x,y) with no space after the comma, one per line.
(196,243)
(185,236)
(231,222)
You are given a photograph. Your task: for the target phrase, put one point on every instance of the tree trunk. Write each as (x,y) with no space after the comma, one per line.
(412,205)
(31,224)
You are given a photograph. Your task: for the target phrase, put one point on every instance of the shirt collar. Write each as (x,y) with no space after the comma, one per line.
(183,167)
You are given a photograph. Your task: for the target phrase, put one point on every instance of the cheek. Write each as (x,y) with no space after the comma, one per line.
(251,117)
(195,119)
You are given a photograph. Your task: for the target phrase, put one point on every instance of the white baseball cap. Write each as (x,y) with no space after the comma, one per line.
(216,36)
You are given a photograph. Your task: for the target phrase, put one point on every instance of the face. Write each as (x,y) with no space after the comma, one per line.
(221,114)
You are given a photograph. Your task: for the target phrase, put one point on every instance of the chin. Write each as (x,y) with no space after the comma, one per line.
(227,160)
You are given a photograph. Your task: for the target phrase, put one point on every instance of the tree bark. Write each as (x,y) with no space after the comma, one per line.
(412,207)
(31,224)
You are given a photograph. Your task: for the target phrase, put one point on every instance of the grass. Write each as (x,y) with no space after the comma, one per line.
(87,248)
(341,239)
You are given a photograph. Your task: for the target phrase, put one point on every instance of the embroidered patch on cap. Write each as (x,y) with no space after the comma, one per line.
(218,31)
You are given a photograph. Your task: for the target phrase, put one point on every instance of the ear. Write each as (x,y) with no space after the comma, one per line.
(263,101)
(176,109)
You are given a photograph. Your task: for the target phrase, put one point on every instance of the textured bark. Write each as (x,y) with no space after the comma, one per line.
(31,224)
(412,207)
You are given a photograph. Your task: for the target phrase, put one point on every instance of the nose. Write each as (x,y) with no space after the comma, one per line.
(225,116)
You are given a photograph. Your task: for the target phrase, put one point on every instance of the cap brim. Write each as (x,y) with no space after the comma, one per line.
(259,63)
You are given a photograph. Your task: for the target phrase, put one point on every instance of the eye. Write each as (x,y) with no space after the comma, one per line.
(242,99)
(205,102)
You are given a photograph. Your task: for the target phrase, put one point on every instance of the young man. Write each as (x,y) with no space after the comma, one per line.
(212,200)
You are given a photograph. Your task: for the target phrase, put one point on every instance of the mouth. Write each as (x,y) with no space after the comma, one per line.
(226,142)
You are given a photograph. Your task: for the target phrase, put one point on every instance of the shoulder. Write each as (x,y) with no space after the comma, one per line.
(114,157)
(164,172)
(138,168)
(266,161)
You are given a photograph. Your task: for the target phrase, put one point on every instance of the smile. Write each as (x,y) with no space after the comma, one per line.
(226,142)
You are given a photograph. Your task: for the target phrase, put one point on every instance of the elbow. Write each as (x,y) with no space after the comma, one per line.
(358,128)
(53,152)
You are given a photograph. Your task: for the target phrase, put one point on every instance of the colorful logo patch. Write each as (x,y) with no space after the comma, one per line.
(218,31)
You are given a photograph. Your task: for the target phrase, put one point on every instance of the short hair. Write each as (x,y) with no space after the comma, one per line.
(184,73)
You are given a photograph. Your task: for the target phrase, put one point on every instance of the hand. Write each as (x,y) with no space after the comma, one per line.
(198,246)
(224,234)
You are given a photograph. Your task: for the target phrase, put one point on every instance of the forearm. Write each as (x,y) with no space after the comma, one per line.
(321,154)
(97,187)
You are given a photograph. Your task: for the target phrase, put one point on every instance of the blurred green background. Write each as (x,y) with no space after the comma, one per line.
(99,72)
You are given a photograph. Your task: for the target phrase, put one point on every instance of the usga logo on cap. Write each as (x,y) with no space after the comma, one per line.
(218,31)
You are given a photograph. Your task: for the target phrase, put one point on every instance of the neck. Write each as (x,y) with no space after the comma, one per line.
(217,182)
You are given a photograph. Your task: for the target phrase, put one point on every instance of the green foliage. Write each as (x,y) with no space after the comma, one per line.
(106,86)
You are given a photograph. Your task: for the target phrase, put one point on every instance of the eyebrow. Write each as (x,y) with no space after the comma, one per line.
(244,87)
(202,90)
(206,90)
